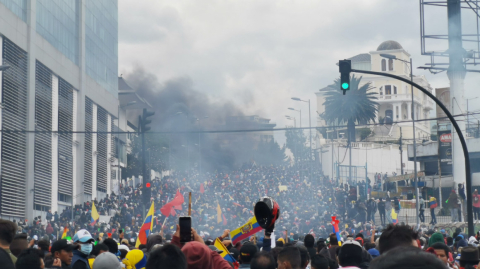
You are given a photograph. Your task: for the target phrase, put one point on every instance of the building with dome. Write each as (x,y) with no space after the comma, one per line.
(393,119)
(394,97)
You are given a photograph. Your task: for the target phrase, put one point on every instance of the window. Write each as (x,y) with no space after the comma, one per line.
(394,89)
(390,64)
(384,65)
(388,90)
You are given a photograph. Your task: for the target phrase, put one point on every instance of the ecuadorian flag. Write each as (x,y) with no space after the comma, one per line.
(225,254)
(94,215)
(433,202)
(244,231)
(146,228)
(394,217)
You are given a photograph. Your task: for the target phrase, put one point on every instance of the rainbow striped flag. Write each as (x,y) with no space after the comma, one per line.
(244,231)
(65,231)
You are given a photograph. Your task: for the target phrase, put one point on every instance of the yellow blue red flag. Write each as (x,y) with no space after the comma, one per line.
(94,215)
(225,254)
(146,228)
(244,231)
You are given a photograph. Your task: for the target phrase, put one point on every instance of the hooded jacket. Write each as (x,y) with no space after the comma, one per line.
(200,256)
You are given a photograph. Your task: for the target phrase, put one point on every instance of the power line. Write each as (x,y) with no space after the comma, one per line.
(221,131)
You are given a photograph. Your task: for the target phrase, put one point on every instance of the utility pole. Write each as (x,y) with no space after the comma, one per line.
(401,153)
(456,74)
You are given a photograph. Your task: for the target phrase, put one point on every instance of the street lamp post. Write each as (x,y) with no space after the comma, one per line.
(309,129)
(393,57)
(292,118)
(299,111)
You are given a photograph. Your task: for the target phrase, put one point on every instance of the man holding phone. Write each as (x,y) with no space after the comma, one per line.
(62,253)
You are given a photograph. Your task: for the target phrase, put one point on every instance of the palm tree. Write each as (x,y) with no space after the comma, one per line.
(357,105)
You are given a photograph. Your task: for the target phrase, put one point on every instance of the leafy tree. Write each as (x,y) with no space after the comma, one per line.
(297,143)
(269,152)
(358,105)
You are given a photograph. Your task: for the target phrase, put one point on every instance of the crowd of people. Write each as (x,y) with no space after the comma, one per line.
(222,202)
(306,205)
(395,246)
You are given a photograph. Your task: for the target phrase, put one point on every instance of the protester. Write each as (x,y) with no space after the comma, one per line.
(469,258)
(246,255)
(263,260)
(406,257)
(7,233)
(476,204)
(319,262)
(106,260)
(289,258)
(453,205)
(421,209)
(442,252)
(397,236)
(350,254)
(5,260)
(200,256)
(84,240)
(304,257)
(168,257)
(62,251)
(30,259)
(19,244)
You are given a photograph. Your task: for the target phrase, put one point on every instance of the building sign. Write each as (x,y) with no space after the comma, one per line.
(445,149)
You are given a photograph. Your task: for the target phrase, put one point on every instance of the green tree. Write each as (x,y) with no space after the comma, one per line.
(297,143)
(358,105)
(269,152)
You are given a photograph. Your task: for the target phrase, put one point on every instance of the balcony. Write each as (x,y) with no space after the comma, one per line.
(398,98)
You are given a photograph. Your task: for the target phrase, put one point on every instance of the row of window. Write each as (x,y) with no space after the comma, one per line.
(388,89)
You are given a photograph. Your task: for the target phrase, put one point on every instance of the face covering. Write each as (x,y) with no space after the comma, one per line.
(86,248)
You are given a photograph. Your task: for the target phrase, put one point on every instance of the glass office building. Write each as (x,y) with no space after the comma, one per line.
(64,53)
(101,43)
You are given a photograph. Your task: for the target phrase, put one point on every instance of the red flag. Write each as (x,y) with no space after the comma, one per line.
(176,203)
(202,190)
(224,220)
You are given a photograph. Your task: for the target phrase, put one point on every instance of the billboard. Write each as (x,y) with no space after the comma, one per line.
(445,148)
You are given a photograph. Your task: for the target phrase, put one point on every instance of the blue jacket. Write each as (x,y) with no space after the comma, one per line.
(79,260)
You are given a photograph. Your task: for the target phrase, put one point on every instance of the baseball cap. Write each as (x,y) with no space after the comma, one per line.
(83,236)
(61,244)
(247,251)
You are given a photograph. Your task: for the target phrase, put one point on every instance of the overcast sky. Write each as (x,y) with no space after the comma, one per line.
(260,53)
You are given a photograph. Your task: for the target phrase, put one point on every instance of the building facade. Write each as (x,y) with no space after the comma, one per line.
(394,97)
(63,58)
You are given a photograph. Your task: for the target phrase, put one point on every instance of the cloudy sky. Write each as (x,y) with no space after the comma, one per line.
(260,53)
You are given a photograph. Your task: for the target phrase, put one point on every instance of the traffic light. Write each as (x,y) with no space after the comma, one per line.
(146,192)
(144,122)
(345,67)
